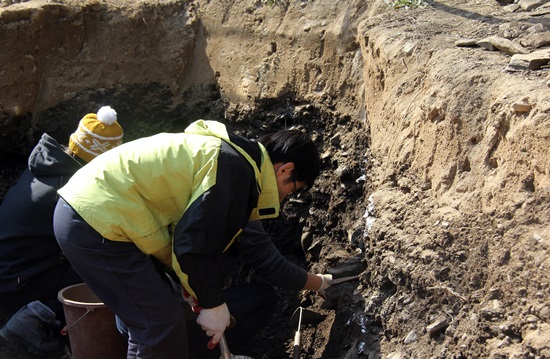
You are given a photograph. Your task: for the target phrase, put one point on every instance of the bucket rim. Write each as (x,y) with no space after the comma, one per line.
(75,303)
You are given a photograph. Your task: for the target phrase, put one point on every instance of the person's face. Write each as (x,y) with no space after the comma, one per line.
(286,183)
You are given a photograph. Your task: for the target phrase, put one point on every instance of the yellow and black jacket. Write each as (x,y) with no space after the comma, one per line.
(183,198)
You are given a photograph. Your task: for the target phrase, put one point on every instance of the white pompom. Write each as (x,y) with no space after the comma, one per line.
(106,115)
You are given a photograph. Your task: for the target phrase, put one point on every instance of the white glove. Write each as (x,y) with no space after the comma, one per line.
(325,283)
(214,321)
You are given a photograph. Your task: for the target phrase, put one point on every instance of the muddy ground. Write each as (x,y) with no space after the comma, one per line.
(432,118)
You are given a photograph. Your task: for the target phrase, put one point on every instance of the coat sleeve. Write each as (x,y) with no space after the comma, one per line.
(258,251)
(210,222)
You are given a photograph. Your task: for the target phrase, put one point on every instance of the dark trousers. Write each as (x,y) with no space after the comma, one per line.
(128,282)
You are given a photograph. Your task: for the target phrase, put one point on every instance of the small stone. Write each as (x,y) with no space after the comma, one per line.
(427,185)
(408,48)
(509,47)
(545,312)
(492,310)
(528,5)
(511,8)
(437,326)
(466,43)
(410,338)
(521,107)
(536,39)
(486,45)
(532,61)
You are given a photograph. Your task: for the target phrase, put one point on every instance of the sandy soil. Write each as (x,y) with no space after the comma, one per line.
(436,166)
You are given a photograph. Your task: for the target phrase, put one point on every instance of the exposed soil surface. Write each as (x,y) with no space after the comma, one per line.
(433,122)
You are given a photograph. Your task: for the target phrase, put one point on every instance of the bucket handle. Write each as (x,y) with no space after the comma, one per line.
(67,327)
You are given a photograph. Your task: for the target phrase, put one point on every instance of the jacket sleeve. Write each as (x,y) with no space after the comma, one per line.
(257,250)
(210,222)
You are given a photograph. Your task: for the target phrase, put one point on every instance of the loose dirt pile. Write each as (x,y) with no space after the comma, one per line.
(432,120)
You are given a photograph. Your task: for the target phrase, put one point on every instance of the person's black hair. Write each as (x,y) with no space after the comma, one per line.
(297,147)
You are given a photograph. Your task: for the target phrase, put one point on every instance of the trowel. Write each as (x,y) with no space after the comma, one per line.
(226,354)
(309,317)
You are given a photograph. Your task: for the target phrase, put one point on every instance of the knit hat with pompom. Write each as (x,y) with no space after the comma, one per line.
(96,134)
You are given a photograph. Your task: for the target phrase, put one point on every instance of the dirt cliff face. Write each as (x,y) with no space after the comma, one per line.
(436,163)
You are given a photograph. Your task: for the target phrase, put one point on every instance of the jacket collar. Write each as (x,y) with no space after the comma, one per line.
(268,199)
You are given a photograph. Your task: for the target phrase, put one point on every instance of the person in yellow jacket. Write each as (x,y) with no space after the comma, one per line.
(177,202)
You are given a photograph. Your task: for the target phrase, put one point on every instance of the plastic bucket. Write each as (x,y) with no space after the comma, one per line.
(90,325)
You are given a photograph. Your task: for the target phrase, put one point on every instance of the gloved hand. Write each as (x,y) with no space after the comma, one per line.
(214,321)
(325,283)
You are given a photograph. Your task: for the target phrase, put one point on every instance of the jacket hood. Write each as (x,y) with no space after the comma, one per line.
(268,200)
(48,159)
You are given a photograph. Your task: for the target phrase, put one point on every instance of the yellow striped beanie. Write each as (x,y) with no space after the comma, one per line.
(96,134)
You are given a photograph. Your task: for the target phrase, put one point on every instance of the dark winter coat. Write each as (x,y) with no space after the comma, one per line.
(27,242)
